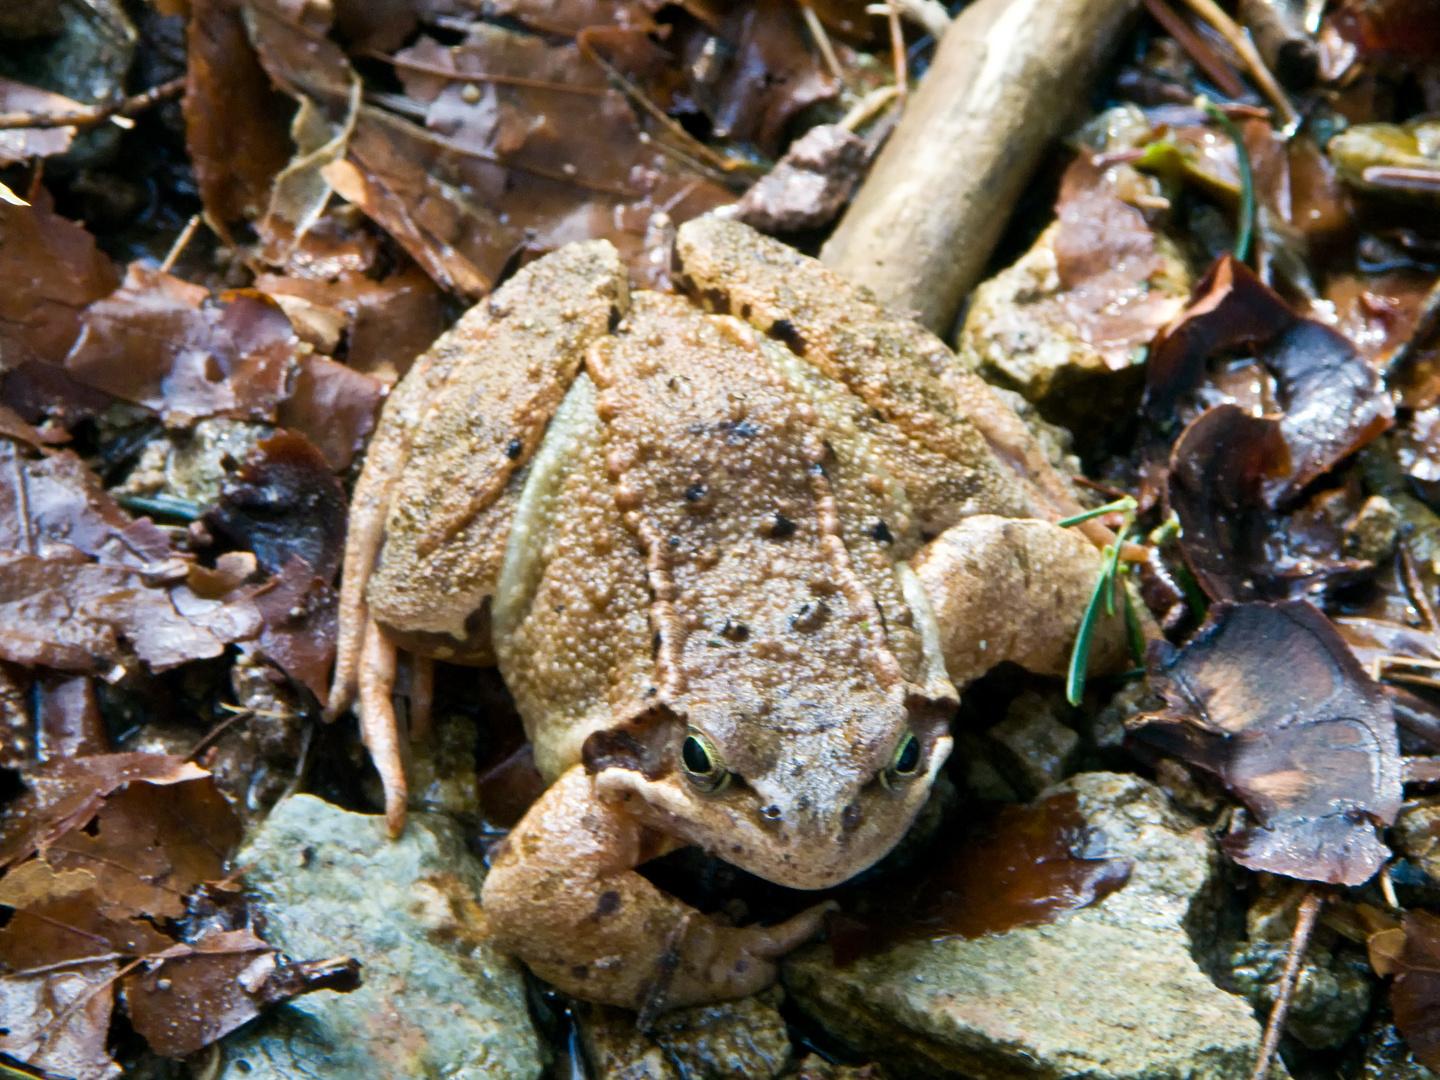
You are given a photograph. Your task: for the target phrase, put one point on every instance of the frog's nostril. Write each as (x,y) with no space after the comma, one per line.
(851,817)
(770,813)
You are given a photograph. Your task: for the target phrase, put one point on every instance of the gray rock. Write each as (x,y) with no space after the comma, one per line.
(1040,749)
(436,999)
(1109,992)
(1388,1058)
(193,465)
(730,1040)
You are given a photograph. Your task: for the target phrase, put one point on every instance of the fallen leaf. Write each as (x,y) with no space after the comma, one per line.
(22,144)
(1270,700)
(194,993)
(334,406)
(285,502)
(235,123)
(157,342)
(50,271)
(59,1021)
(1415,994)
(301,613)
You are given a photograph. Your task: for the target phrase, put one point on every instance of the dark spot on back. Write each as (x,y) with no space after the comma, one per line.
(514,449)
(614,322)
(783,331)
(695,492)
(717,301)
(744,311)
(608,904)
(782,526)
(851,817)
(880,533)
(734,631)
(580,971)
(736,431)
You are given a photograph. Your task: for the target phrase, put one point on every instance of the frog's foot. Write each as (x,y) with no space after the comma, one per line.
(564,896)
(378,725)
(1015,589)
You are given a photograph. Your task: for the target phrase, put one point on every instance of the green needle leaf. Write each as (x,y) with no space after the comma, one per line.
(1127,505)
(1080,656)
(1245,224)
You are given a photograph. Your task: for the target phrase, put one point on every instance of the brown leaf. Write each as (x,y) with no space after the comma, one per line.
(235,124)
(1415,994)
(285,502)
(1025,868)
(334,406)
(73,616)
(63,916)
(1270,700)
(22,144)
(65,794)
(1230,308)
(157,343)
(193,994)
(50,270)
(54,506)
(301,614)
(59,1021)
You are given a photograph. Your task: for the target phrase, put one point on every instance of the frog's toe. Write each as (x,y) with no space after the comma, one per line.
(378,726)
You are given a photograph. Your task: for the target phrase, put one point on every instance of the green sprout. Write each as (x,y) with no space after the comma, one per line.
(1245,224)
(1104,589)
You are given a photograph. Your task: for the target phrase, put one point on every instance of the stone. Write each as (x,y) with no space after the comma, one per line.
(730,1040)
(1108,992)
(1040,750)
(436,998)
(1388,1058)
(193,465)
(1372,532)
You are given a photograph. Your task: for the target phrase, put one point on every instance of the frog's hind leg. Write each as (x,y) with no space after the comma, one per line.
(378,725)
(564,896)
(1014,589)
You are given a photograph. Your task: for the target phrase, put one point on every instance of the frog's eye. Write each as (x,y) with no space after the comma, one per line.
(702,763)
(905,764)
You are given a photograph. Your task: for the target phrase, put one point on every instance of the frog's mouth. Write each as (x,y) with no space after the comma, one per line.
(785,841)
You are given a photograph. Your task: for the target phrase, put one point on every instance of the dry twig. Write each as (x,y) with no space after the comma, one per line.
(1240,41)
(95,114)
(1285,991)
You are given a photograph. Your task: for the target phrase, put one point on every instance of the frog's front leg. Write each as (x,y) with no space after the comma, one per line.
(564,896)
(1015,589)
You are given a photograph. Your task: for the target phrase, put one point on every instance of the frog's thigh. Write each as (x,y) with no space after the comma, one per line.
(1014,589)
(564,896)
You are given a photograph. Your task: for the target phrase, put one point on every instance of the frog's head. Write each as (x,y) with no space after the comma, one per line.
(802,791)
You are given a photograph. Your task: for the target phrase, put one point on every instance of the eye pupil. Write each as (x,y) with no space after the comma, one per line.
(694,755)
(908,759)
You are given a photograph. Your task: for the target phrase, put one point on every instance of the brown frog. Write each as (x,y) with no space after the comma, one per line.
(733,555)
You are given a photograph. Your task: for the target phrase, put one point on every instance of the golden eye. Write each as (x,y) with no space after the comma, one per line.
(702,763)
(905,764)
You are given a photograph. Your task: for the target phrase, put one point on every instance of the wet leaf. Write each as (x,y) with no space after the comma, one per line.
(192,994)
(22,144)
(301,613)
(59,1021)
(1415,994)
(235,123)
(50,270)
(1270,700)
(334,406)
(285,502)
(1026,868)
(157,342)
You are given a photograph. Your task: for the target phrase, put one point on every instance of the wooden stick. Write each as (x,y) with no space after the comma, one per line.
(1008,76)
(94,114)
(1240,41)
(1304,923)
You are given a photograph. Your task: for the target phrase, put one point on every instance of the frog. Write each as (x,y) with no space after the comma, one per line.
(735,549)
